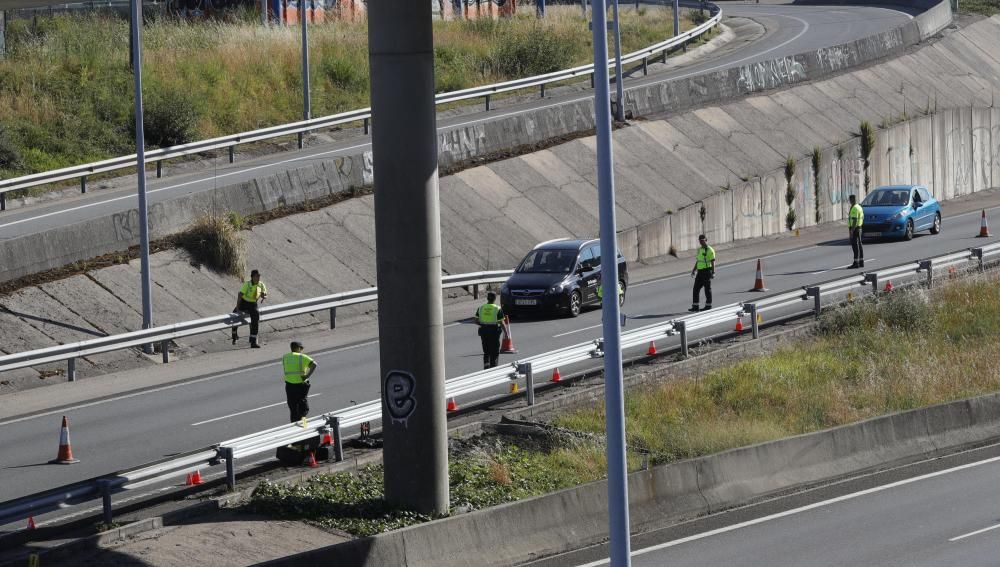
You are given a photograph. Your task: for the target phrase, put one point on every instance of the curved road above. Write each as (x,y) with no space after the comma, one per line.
(789,30)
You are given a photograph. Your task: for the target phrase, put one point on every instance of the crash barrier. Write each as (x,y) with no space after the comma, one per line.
(363,115)
(327,430)
(164,334)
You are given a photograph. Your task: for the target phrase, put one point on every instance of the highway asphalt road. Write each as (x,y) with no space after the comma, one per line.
(137,428)
(932,513)
(790,30)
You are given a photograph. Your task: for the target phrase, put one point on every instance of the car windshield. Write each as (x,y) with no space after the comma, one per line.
(887,198)
(548,262)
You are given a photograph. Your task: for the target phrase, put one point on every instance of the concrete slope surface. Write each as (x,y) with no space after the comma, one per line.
(725,162)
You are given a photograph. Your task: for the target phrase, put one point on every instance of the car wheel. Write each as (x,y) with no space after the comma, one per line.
(575,303)
(936,227)
(908,235)
(621,296)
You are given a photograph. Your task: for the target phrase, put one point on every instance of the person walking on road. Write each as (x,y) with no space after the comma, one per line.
(298,367)
(703,272)
(855,219)
(252,293)
(491,321)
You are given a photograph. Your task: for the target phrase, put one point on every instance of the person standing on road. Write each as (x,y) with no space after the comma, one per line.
(855,219)
(298,367)
(491,321)
(252,293)
(703,272)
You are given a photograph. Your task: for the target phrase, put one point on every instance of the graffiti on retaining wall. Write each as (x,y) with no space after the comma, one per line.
(982,174)
(464,143)
(835,58)
(345,169)
(769,74)
(127,223)
(843,177)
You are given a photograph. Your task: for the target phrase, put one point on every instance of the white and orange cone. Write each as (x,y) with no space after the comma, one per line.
(984,230)
(507,346)
(758,284)
(65,456)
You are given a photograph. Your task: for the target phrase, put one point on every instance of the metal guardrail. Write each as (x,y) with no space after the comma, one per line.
(363,115)
(333,423)
(164,334)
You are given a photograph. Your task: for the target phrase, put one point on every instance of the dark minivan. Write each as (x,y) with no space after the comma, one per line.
(558,275)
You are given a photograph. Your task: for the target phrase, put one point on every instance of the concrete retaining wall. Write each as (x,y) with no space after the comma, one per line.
(663,495)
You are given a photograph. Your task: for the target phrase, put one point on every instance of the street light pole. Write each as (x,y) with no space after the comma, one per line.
(614,396)
(619,88)
(306,100)
(140,151)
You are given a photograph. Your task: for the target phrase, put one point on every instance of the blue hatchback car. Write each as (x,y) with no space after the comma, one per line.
(899,211)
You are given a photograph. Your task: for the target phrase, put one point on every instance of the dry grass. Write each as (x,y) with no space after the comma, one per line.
(215,243)
(911,350)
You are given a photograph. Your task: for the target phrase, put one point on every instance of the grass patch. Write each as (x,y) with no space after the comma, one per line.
(908,350)
(65,85)
(984,7)
(216,243)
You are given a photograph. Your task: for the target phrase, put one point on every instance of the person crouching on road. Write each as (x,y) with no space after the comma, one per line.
(298,367)
(252,294)
(490,319)
(703,272)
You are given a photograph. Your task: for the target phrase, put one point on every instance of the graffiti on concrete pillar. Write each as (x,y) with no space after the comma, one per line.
(398,391)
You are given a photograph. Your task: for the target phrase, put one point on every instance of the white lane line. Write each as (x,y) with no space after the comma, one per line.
(219,176)
(794,511)
(246,412)
(844,267)
(977,532)
(575,331)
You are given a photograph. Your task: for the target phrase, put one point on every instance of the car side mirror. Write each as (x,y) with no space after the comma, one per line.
(580,269)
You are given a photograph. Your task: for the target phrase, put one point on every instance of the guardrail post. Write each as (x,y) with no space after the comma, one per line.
(873,280)
(475,291)
(591,80)
(104,486)
(338,440)
(333,317)
(754,328)
(529,381)
(929,266)
(645,66)
(367,125)
(487,103)
(681,327)
(300,140)
(159,169)
(165,351)
(232,154)
(227,453)
(71,370)
(543,90)
(978,254)
(813,292)
(3,201)
(83,184)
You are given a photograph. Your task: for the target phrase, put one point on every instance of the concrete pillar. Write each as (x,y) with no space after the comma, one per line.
(408,254)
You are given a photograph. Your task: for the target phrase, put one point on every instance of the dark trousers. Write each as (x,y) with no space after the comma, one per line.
(250,309)
(702,280)
(490,337)
(297,396)
(859,250)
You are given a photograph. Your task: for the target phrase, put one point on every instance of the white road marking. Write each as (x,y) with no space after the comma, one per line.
(576,331)
(977,532)
(245,412)
(799,510)
(844,267)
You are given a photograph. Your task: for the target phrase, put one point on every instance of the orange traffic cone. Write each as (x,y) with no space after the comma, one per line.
(651,351)
(952,272)
(31,522)
(555,375)
(758,284)
(311,461)
(984,231)
(888,286)
(65,456)
(326,440)
(507,346)
(452,406)
(195,479)
(739,324)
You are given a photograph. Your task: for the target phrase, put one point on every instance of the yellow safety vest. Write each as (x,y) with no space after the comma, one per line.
(705,257)
(251,292)
(856,217)
(295,365)
(600,291)
(487,314)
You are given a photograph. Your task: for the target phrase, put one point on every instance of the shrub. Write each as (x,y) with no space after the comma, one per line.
(10,157)
(171,116)
(899,311)
(533,51)
(213,242)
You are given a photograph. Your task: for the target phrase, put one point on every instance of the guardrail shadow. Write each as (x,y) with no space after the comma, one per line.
(40,319)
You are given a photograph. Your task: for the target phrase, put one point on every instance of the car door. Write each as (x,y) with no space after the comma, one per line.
(591,274)
(919,210)
(930,206)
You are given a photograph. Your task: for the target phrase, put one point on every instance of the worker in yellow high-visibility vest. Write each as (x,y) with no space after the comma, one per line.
(703,272)
(298,367)
(252,293)
(621,293)
(491,322)
(855,220)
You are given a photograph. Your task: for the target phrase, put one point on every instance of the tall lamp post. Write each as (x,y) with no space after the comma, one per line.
(140,151)
(614,397)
